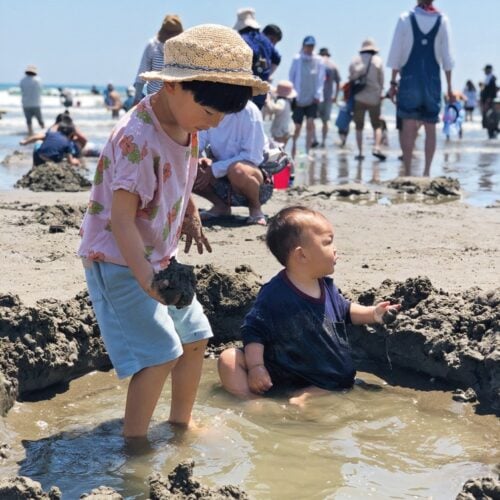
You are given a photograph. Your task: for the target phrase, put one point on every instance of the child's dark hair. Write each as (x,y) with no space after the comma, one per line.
(223,97)
(66,128)
(284,231)
(273,30)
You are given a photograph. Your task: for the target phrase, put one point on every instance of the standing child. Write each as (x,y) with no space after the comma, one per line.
(281,108)
(295,334)
(140,205)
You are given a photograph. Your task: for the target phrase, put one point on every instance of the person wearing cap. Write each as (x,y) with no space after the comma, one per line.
(152,57)
(368,66)
(265,57)
(141,203)
(420,47)
(488,93)
(307,73)
(281,109)
(330,94)
(31,97)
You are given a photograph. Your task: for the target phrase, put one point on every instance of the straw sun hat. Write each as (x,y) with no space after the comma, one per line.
(208,52)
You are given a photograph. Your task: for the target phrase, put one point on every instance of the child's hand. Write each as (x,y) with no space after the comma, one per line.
(385,312)
(193,230)
(259,380)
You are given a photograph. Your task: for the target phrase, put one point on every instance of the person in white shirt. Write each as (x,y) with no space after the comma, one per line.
(31,97)
(229,175)
(420,47)
(281,110)
(307,73)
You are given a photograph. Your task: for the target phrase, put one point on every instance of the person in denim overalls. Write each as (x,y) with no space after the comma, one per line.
(419,89)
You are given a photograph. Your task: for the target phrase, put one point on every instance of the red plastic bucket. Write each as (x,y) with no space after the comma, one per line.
(281,180)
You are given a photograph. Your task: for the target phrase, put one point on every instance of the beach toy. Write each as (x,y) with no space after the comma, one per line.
(281,179)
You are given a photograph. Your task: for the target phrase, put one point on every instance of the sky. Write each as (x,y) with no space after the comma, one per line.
(99,41)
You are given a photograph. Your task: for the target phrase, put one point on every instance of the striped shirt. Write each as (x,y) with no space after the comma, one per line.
(152,60)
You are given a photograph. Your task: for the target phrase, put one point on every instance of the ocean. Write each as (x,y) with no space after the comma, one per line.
(474,160)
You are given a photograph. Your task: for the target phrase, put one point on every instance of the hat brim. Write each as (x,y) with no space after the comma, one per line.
(185,75)
(291,95)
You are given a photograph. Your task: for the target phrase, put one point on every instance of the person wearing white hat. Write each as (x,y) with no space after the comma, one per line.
(368,67)
(281,108)
(265,57)
(31,97)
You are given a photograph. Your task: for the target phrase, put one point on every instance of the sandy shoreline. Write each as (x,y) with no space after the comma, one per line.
(456,246)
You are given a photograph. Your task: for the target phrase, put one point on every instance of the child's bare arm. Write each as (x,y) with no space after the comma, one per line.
(128,239)
(383,312)
(32,138)
(259,380)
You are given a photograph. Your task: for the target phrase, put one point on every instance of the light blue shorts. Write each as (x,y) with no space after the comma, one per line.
(137,330)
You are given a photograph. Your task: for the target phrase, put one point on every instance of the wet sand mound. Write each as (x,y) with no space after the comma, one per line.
(450,336)
(436,187)
(226,298)
(54,177)
(179,485)
(407,188)
(63,214)
(49,344)
(453,337)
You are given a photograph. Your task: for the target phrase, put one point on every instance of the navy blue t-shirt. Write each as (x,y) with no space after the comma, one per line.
(262,48)
(54,147)
(305,340)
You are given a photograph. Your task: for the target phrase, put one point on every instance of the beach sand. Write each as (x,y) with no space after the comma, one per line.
(456,246)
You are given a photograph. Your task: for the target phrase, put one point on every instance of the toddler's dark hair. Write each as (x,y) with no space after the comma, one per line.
(223,97)
(284,231)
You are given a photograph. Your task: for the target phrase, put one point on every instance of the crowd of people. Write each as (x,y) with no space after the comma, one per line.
(199,129)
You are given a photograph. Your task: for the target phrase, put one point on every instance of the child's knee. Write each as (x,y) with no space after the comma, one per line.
(229,359)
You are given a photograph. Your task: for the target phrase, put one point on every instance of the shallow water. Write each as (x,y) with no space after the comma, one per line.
(377,441)
(474,160)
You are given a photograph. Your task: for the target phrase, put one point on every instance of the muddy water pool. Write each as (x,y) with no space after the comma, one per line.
(376,441)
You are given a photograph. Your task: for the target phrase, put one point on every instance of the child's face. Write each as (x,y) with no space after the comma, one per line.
(188,114)
(318,247)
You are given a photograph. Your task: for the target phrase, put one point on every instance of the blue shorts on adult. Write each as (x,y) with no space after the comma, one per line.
(138,331)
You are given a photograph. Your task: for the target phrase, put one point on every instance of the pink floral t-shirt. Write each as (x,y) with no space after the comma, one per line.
(140,158)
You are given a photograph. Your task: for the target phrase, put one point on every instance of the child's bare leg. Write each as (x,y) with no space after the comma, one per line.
(185,380)
(300,397)
(143,393)
(233,373)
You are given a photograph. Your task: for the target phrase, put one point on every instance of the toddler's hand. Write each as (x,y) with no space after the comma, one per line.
(193,230)
(259,380)
(385,312)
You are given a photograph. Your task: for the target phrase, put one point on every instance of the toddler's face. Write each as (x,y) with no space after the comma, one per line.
(319,247)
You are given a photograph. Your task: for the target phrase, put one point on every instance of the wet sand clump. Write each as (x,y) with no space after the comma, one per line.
(435,187)
(54,177)
(176,284)
(180,484)
(24,488)
(482,488)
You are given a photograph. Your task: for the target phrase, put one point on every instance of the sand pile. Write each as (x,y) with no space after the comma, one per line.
(54,177)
